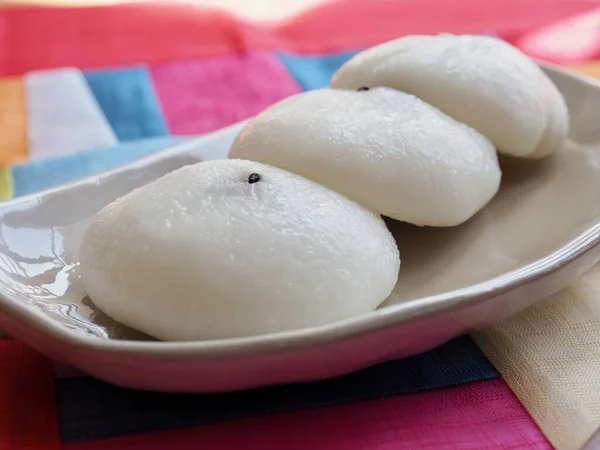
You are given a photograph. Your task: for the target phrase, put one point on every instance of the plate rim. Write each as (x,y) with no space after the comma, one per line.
(390,316)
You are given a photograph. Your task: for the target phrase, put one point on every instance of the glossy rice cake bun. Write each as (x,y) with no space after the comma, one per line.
(385,149)
(226,249)
(479,80)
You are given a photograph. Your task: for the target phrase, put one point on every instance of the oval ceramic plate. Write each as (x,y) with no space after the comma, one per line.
(541,231)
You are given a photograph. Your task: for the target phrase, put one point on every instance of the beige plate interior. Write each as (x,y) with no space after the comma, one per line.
(541,230)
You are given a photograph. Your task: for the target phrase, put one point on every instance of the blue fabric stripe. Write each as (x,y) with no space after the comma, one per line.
(38,175)
(314,72)
(129,102)
(91,409)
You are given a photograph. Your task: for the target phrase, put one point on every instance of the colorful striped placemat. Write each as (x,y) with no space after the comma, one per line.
(85,90)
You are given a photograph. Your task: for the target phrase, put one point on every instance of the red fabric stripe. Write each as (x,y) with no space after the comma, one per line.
(349,24)
(477,416)
(28,417)
(41,38)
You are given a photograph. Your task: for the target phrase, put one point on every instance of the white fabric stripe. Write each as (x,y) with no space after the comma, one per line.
(63,115)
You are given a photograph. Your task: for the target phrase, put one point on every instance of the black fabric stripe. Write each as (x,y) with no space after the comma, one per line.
(91,409)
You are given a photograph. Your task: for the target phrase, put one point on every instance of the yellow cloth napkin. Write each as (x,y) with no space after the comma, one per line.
(550,357)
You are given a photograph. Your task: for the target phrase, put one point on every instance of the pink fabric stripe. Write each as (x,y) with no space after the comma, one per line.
(483,416)
(203,95)
(571,41)
(44,38)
